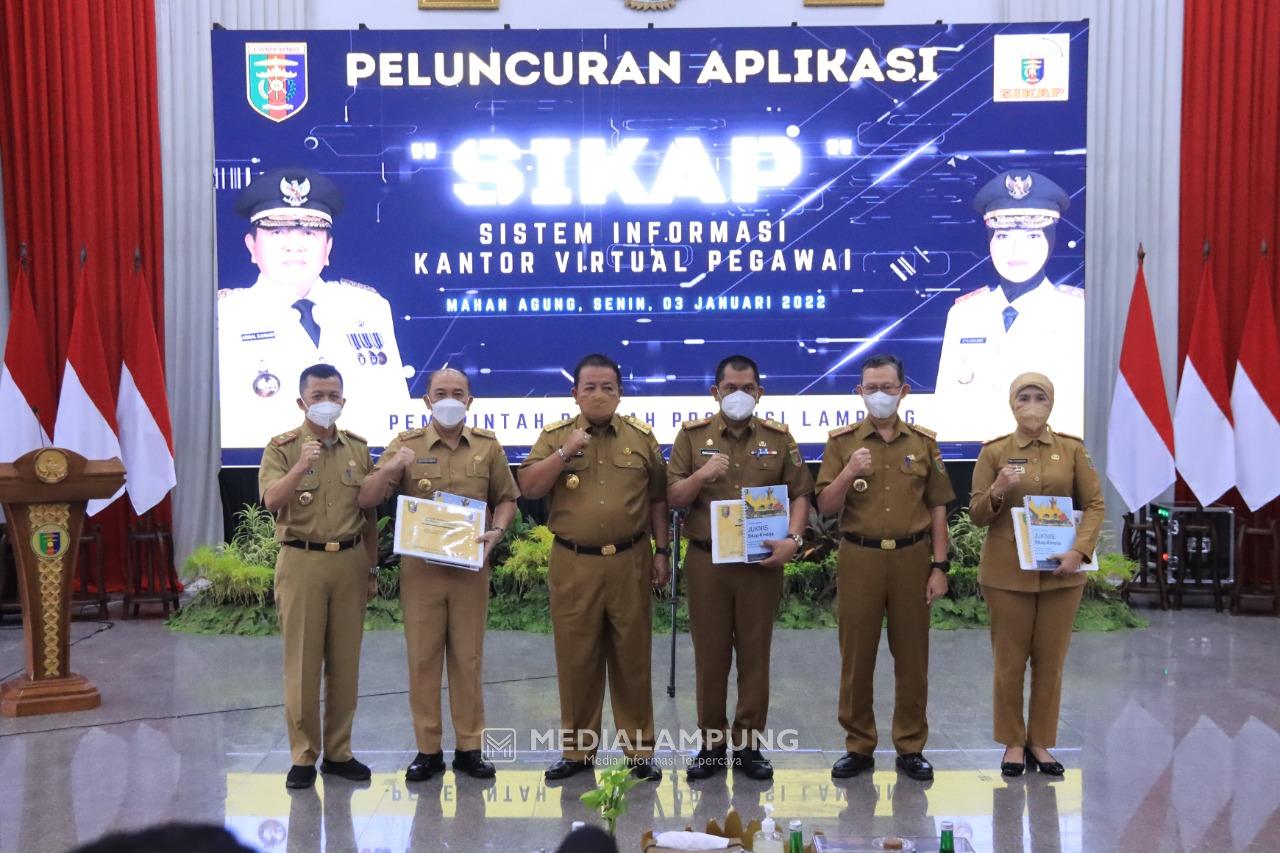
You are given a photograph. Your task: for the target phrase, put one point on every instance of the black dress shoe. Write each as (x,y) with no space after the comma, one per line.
(1048,768)
(471,762)
(753,764)
(707,763)
(301,776)
(424,766)
(851,765)
(645,769)
(1013,769)
(915,766)
(350,769)
(564,768)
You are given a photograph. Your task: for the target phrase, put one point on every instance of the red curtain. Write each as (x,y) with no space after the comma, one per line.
(1230,154)
(80,153)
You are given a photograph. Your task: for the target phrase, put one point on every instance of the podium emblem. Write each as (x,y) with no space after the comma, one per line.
(51,465)
(50,540)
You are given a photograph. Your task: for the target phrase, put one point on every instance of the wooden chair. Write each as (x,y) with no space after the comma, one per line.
(1249,589)
(90,569)
(1151,577)
(151,578)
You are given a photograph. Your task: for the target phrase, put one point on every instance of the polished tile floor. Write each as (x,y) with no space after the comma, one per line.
(1170,736)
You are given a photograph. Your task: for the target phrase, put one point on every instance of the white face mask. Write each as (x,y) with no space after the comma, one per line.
(882,405)
(324,414)
(448,412)
(738,406)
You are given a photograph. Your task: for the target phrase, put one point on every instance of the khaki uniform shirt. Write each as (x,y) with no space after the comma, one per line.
(603,495)
(1054,464)
(323,507)
(477,469)
(908,478)
(763,454)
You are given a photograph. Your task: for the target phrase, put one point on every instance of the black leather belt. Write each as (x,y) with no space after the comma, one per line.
(601,550)
(304,545)
(884,544)
(701,544)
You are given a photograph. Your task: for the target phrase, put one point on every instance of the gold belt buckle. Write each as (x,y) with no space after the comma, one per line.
(888,544)
(608,550)
(332,546)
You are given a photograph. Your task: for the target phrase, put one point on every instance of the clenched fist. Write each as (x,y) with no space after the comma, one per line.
(715,468)
(860,463)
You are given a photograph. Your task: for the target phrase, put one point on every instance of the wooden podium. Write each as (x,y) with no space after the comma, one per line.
(44,495)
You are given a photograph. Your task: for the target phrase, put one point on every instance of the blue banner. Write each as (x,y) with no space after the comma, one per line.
(506,201)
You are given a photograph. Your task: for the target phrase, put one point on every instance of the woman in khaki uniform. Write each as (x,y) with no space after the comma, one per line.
(1031,612)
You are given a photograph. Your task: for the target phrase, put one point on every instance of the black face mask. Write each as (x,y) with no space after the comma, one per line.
(1014,289)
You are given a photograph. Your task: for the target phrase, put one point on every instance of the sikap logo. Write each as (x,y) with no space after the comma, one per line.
(1032,67)
(276,78)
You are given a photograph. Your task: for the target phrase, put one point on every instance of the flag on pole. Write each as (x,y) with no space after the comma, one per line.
(1140,431)
(1255,396)
(1203,440)
(142,407)
(28,393)
(86,407)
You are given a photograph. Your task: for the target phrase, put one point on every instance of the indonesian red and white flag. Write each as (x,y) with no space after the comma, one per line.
(28,394)
(1140,431)
(86,406)
(1202,417)
(1255,397)
(142,407)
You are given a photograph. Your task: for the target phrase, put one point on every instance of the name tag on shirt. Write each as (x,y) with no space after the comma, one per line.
(709,451)
(427,460)
(973,340)
(257,336)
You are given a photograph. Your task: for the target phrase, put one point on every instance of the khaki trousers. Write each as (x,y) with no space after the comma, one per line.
(1035,627)
(601,620)
(321,599)
(445,611)
(870,584)
(731,610)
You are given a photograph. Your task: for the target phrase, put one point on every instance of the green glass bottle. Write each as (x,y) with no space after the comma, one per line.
(795,843)
(947,844)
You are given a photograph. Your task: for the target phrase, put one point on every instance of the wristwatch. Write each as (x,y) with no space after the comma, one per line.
(943,566)
(664,550)
(796,538)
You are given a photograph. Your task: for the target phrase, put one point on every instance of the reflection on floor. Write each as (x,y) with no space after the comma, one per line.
(1170,737)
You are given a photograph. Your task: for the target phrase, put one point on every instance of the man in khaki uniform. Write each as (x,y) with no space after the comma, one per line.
(607,483)
(1032,613)
(310,478)
(732,607)
(886,479)
(445,607)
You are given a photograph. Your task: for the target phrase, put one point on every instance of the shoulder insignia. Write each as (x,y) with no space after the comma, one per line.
(844,430)
(774,425)
(927,433)
(360,438)
(1070,290)
(558,425)
(284,438)
(700,422)
(997,438)
(638,424)
(349,283)
(483,433)
(1068,435)
(972,293)
(410,433)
